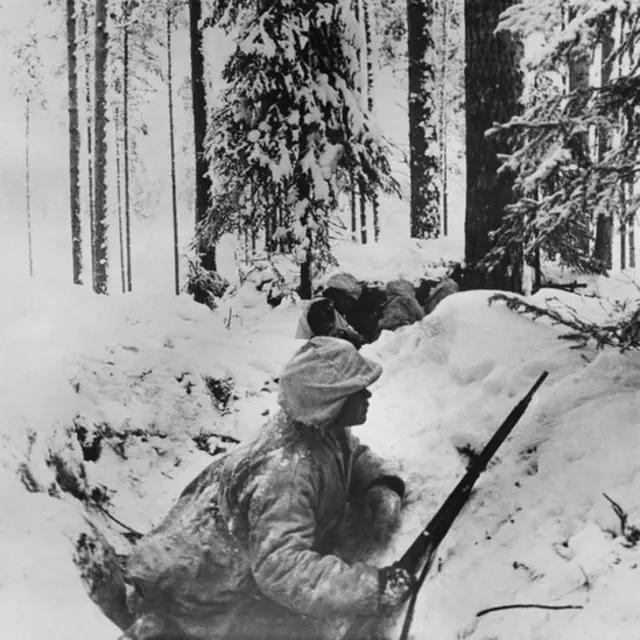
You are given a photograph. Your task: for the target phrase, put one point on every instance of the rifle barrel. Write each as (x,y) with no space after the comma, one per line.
(441,522)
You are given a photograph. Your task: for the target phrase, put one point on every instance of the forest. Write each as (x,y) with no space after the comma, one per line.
(528,107)
(182,182)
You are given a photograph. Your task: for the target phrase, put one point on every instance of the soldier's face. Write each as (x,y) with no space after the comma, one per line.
(355,409)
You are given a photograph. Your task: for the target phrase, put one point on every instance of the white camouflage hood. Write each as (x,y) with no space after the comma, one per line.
(320,376)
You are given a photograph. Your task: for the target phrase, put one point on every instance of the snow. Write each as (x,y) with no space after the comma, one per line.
(536,530)
(132,373)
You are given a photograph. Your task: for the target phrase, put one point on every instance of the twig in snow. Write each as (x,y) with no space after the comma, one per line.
(630,532)
(135,534)
(528,606)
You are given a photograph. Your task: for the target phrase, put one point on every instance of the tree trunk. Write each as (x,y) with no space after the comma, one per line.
(172,151)
(623,225)
(425,198)
(127,171)
(199,98)
(443,121)
(357,192)
(88,109)
(578,63)
(354,209)
(27,114)
(603,249)
(368,19)
(493,85)
(306,285)
(363,214)
(100,137)
(74,144)
(121,240)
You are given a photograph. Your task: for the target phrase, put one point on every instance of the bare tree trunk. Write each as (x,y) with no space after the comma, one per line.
(88,109)
(357,191)
(493,87)
(199,97)
(603,248)
(123,274)
(127,171)
(425,197)
(354,215)
(306,285)
(632,234)
(363,215)
(371,100)
(623,226)
(74,144)
(443,121)
(172,142)
(100,136)
(578,63)
(27,113)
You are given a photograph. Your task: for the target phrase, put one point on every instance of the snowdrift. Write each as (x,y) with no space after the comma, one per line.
(109,408)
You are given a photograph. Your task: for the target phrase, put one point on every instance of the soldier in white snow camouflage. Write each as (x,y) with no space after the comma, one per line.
(254,547)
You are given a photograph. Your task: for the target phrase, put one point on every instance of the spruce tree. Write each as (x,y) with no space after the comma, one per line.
(291,126)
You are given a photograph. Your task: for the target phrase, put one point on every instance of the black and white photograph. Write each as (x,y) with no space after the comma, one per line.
(320,320)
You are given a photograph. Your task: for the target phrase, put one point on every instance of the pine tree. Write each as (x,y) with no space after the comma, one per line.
(27,83)
(172,152)
(206,248)
(370,55)
(425,195)
(442,137)
(561,184)
(126,135)
(493,86)
(603,246)
(88,108)
(100,276)
(292,123)
(74,142)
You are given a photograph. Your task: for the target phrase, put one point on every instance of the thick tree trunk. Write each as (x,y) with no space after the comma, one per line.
(603,249)
(172,151)
(425,197)
(27,167)
(74,144)
(199,97)
(127,170)
(100,137)
(493,85)
(306,285)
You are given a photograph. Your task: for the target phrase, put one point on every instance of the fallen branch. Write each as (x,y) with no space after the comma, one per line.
(564,286)
(528,606)
(629,532)
(136,535)
(614,335)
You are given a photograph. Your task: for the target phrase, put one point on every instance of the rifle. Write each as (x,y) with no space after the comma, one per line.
(424,547)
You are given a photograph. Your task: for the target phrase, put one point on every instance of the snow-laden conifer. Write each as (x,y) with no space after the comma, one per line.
(291,127)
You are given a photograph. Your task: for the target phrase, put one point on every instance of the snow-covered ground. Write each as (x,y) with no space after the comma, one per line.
(127,378)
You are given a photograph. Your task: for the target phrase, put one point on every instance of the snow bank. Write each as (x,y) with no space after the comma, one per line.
(537,529)
(115,398)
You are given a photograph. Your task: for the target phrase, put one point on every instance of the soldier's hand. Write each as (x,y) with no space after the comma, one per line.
(396,584)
